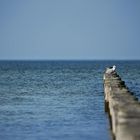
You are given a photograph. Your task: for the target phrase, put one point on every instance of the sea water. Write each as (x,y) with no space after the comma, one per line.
(58,100)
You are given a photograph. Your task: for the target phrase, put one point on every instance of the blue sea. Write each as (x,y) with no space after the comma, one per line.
(58,100)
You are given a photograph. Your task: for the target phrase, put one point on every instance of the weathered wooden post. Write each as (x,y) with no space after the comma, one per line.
(122,106)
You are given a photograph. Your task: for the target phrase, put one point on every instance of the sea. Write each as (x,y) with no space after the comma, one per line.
(58,100)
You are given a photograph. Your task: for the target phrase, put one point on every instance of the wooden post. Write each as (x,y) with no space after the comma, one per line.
(123,108)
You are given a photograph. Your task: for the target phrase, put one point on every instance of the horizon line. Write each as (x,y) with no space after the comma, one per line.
(69,59)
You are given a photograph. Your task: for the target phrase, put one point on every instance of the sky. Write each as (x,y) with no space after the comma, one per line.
(69,29)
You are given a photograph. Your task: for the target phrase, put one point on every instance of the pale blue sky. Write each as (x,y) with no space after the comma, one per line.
(70,29)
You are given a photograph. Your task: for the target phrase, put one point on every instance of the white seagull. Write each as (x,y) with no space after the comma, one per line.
(110,69)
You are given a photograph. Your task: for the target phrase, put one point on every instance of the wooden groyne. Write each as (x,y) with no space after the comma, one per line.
(123,108)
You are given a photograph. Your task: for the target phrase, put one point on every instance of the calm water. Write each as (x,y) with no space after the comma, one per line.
(57,100)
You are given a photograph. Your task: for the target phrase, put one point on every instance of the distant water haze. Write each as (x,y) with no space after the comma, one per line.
(69,29)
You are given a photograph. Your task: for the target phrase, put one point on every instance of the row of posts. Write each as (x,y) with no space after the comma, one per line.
(123,108)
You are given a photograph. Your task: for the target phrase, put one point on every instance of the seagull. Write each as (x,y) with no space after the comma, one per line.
(111,69)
